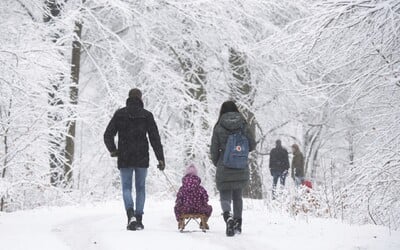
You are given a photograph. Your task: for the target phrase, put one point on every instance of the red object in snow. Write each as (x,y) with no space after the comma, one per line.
(307,183)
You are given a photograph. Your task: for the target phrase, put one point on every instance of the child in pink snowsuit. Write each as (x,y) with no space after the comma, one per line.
(192,198)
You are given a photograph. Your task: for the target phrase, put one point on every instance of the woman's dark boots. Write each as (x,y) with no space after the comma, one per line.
(230,224)
(238,226)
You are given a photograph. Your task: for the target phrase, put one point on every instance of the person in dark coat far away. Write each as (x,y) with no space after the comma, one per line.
(230,181)
(278,165)
(133,124)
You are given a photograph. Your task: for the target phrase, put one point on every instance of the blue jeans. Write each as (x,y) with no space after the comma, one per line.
(277,174)
(140,181)
(298,180)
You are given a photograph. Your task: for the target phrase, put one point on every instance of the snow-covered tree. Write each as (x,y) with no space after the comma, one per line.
(346,57)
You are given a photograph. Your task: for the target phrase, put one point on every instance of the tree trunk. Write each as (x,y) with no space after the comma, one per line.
(55,102)
(75,69)
(195,74)
(350,139)
(7,114)
(3,172)
(311,148)
(243,94)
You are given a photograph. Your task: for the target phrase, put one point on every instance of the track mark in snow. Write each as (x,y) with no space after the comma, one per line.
(86,232)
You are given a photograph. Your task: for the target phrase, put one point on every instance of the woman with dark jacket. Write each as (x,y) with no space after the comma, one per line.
(297,165)
(230,181)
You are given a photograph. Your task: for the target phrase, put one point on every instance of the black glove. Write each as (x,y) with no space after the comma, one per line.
(114,154)
(161,165)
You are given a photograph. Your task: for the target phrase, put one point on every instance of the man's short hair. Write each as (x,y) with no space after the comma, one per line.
(135,93)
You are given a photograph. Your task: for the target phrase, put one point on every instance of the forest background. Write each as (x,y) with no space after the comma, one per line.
(324,74)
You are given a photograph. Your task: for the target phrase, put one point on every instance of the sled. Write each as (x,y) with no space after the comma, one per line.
(184,219)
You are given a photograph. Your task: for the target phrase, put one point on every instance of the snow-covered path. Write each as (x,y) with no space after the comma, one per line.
(102,226)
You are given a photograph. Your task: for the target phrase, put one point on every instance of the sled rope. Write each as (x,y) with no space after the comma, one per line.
(169,181)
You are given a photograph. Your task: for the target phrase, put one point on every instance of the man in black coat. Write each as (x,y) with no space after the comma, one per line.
(278,165)
(133,123)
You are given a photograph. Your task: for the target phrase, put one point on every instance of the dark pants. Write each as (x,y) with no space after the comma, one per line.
(278,174)
(235,195)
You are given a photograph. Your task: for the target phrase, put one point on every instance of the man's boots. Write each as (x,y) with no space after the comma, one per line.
(131,219)
(139,224)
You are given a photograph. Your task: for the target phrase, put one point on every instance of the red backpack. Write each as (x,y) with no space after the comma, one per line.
(307,183)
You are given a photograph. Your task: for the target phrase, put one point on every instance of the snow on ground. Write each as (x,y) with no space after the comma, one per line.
(102,226)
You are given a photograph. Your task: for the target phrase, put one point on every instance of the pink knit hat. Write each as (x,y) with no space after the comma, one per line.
(191,169)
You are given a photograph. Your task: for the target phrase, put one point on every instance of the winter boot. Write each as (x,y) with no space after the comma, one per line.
(181,224)
(229,224)
(131,219)
(139,224)
(203,223)
(238,226)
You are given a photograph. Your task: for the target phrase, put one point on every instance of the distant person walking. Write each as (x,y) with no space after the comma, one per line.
(278,165)
(297,172)
(133,124)
(232,174)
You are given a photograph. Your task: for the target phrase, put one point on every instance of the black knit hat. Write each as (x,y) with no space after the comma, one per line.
(135,93)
